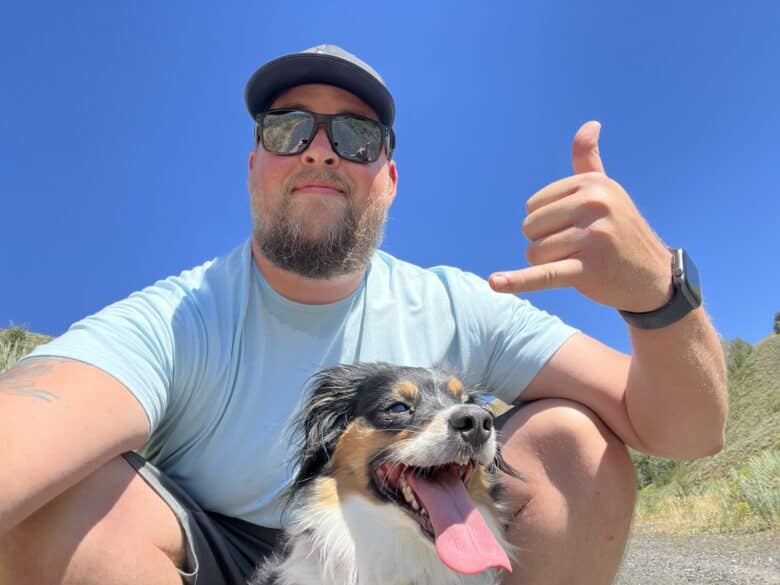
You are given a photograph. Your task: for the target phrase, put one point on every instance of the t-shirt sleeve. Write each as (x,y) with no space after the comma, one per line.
(523,345)
(152,342)
(506,338)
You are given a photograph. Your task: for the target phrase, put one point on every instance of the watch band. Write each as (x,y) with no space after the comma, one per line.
(685,298)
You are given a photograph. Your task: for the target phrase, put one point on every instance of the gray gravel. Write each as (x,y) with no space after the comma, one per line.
(749,559)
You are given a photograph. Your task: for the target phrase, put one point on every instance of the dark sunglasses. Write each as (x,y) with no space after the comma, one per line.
(354,138)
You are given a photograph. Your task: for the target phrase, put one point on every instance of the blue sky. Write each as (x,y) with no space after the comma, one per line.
(124,138)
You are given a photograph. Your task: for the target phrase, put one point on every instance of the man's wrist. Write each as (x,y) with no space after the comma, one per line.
(685,297)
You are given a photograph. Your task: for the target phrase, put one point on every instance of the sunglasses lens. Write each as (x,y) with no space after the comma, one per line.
(356,139)
(291,131)
(287,132)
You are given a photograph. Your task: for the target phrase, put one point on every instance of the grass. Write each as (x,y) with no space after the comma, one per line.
(14,343)
(748,501)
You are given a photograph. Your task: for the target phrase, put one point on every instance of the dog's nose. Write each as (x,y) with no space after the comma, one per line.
(473,423)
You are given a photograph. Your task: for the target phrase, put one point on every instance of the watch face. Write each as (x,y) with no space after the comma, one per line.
(690,284)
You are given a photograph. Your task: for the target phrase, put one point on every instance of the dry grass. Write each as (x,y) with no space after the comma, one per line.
(711,512)
(11,347)
(748,501)
(15,343)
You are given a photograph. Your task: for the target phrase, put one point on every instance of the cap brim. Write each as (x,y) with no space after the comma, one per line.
(279,75)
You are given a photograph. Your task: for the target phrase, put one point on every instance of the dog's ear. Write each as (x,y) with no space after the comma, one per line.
(329,408)
(500,463)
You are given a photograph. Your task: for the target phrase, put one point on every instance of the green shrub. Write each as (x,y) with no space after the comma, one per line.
(655,471)
(737,351)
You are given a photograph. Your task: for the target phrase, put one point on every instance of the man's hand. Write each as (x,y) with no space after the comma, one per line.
(585,232)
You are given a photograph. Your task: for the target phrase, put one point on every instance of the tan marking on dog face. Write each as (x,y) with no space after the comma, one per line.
(455,387)
(408,390)
(349,465)
(325,492)
(478,486)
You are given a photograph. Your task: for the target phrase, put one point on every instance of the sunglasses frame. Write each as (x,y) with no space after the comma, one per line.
(326,120)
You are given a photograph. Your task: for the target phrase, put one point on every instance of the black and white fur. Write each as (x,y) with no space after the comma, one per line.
(348,523)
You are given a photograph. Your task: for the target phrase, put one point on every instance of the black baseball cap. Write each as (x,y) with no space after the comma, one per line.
(326,64)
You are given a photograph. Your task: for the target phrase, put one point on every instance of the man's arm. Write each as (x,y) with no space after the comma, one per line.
(60,420)
(669,397)
(667,400)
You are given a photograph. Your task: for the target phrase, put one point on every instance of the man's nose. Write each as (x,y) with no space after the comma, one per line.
(320,151)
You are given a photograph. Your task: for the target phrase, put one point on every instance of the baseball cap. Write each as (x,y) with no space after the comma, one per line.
(328,64)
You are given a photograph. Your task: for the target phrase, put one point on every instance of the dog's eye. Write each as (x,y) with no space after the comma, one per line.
(398,407)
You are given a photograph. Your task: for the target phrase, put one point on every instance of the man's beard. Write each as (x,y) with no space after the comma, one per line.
(345,247)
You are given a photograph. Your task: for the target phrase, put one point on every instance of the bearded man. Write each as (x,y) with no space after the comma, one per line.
(148,443)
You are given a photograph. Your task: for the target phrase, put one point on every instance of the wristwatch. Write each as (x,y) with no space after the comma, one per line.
(685,298)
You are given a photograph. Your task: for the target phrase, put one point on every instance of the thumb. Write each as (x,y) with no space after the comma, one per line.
(585,156)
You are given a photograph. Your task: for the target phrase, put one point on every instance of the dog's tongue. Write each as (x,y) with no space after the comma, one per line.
(463,540)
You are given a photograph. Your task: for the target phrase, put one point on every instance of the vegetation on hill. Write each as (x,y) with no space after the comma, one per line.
(15,342)
(739,488)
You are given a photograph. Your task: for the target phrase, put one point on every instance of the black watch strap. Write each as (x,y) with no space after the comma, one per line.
(685,298)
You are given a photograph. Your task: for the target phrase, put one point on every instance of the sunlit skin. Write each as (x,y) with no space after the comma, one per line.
(316,204)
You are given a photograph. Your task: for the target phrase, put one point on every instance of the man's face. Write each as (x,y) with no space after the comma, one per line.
(314,213)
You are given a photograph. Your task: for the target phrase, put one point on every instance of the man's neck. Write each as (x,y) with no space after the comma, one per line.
(309,291)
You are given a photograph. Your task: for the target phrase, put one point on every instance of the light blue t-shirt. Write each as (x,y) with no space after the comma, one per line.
(218,360)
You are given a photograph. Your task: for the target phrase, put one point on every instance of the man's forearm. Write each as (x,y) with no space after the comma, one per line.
(676,392)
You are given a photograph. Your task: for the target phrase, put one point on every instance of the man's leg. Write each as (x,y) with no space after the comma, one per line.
(571,517)
(111,529)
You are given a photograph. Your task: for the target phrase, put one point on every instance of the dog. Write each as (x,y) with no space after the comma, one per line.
(396,484)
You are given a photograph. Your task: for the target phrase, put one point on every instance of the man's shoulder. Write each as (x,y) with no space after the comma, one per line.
(212,275)
(205,293)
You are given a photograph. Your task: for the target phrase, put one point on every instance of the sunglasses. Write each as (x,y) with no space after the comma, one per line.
(354,138)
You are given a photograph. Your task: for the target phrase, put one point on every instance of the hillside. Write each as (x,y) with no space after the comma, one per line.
(753,425)
(737,490)
(15,342)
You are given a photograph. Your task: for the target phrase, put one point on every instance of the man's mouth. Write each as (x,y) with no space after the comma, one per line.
(318,189)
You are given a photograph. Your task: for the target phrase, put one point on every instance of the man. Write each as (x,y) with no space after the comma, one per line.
(200,372)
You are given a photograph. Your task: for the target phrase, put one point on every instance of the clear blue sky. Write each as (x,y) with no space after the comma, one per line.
(124,138)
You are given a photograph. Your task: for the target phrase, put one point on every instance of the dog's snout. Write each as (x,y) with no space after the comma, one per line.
(473,423)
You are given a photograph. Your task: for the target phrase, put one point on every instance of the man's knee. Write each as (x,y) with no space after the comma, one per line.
(111,521)
(563,445)
(570,516)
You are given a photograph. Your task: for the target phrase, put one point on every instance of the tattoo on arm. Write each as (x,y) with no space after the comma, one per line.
(24,380)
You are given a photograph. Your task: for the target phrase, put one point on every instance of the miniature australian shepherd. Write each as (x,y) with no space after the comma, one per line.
(396,484)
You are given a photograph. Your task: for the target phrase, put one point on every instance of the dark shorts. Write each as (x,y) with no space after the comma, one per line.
(220,550)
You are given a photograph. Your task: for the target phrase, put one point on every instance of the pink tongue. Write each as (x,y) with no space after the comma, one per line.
(463,541)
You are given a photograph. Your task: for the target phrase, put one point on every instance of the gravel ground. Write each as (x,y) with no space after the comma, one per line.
(749,559)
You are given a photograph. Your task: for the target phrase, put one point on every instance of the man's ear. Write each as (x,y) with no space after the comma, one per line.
(251,160)
(392,173)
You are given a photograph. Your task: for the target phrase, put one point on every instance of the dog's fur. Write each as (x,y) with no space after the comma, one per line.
(347,523)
